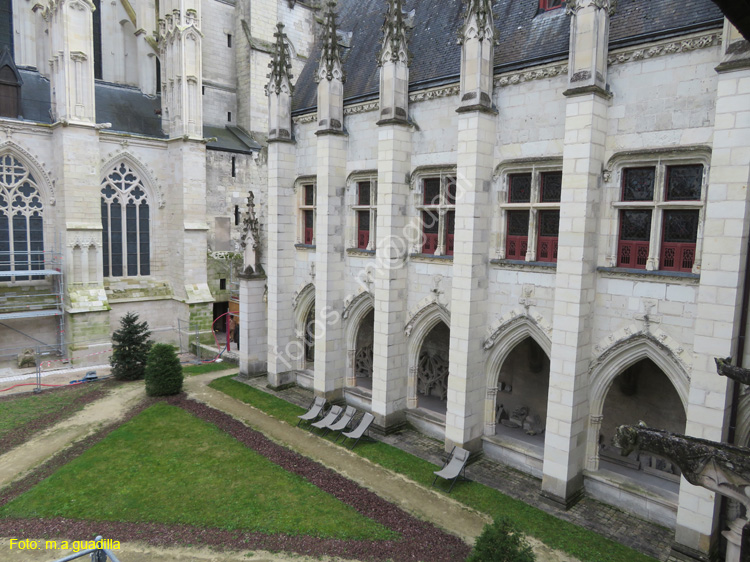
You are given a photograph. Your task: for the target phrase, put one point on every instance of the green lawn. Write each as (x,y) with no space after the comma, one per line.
(167,466)
(556,533)
(17,412)
(189,370)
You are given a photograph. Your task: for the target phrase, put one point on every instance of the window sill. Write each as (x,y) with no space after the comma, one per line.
(309,247)
(431,258)
(545,266)
(680,277)
(359,252)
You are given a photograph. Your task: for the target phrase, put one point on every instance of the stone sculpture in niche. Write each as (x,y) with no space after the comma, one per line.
(517,417)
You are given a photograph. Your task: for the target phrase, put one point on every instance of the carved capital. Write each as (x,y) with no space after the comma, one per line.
(573,6)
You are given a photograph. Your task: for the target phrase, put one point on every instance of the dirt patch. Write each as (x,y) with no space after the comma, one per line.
(23,458)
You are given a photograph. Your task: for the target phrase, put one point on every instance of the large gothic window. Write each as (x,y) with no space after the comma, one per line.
(21,227)
(125,224)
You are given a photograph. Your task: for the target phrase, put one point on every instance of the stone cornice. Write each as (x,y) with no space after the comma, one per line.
(669,47)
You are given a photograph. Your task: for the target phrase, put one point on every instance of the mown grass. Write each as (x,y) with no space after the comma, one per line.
(190,370)
(15,412)
(167,466)
(585,545)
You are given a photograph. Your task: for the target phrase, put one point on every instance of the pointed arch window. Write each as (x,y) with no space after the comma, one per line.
(126,235)
(21,219)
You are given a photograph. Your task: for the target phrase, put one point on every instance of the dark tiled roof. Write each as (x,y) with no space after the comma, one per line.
(230,139)
(128,109)
(35,96)
(525,37)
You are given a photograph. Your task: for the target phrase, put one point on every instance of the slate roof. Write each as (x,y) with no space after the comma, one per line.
(230,139)
(128,109)
(526,37)
(125,107)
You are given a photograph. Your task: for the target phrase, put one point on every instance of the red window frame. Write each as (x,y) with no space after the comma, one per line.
(363,233)
(309,227)
(429,238)
(546,246)
(547,5)
(450,229)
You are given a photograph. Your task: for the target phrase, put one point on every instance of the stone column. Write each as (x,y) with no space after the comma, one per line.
(725,239)
(476,146)
(282,354)
(390,368)
(583,159)
(330,347)
(253,322)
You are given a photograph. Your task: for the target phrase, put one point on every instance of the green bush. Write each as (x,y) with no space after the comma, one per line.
(501,542)
(163,371)
(130,347)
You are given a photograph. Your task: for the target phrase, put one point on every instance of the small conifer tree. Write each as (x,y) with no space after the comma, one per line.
(130,348)
(501,542)
(163,371)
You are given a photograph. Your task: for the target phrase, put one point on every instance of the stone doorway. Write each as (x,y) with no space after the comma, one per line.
(432,370)
(522,389)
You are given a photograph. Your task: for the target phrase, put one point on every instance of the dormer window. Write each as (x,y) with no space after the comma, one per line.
(547,5)
(10,86)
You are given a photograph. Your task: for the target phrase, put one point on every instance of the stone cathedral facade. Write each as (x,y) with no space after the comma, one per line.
(512,224)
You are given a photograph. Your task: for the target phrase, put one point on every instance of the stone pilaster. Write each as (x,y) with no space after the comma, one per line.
(146,47)
(476,147)
(394,66)
(181,68)
(583,160)
(71,59)
(283,353)
(725,239)
(330,348)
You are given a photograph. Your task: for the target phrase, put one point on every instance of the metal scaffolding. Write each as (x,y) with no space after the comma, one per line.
(20,266)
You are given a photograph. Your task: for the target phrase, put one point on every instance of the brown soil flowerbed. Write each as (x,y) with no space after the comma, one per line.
(419,540)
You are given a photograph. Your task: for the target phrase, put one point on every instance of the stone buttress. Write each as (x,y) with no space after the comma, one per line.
(583,160)
(282,357)
(330,348)
(390,366)
(476,145)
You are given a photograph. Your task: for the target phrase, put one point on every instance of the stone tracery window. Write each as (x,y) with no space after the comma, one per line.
(125,224)
(21,219)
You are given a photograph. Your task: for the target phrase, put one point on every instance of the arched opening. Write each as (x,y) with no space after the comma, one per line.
(522,389)
(309,338)
(432,370)
(363,355)
(641,392)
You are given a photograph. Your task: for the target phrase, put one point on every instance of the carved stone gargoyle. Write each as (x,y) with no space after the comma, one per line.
(719,467)
(725,368)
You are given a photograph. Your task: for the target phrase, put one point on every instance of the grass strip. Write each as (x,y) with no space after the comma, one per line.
(584,544)
(168,466)
(192,370)
(23,415)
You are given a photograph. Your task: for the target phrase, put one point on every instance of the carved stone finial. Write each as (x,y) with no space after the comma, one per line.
(478,21)
(280,77)
(572,6)
(330,67)
(395,42)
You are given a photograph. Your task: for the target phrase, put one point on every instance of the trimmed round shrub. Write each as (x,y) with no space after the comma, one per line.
(163,371)
(501,542)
